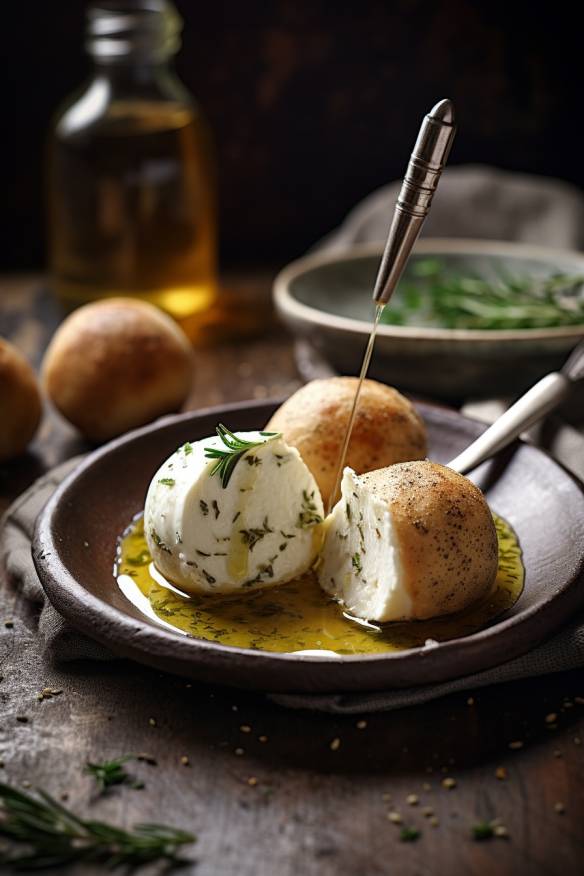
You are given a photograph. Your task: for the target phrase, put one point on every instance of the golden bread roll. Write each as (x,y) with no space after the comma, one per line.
(412,541)
(387,428)
(116,364)
(20,402)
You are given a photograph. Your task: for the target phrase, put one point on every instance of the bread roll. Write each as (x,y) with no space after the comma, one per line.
(409,542)
(116,364)
(387,428)
(20,402)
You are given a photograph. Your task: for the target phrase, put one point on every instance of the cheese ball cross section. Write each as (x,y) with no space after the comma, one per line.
(262,529)
(412,541)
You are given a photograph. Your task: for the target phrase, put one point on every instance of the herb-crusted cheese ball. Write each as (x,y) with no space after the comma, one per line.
(412,541)
(387,427)
(233,512)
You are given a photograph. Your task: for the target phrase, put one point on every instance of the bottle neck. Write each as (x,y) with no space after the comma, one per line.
(132,38)
(141,81)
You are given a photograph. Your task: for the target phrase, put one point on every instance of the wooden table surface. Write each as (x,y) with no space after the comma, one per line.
(309,808)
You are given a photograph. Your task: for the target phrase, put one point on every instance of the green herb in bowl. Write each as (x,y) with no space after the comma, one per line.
(432,294)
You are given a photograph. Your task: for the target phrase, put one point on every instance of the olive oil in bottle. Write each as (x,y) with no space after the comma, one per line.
(131,181)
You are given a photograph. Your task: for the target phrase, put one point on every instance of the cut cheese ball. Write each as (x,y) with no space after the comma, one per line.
(263,528)
(412,541)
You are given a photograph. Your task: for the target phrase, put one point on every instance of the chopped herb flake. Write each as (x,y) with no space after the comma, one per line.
(308,515)
(250,537)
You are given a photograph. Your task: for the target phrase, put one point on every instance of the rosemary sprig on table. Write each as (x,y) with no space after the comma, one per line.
(433,294)
(235,449)
(112,772)
(43,833)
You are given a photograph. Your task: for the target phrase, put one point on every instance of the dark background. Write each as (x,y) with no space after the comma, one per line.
(313,104)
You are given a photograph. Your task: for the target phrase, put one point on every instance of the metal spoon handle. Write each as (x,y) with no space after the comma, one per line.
(542,398)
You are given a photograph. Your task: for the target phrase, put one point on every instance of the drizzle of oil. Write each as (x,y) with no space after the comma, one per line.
(300,616)
(238,555)
(364,369)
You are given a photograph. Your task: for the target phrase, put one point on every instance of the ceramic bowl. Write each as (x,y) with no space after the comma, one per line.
(326,298)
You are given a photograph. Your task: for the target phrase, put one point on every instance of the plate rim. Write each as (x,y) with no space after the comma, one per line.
(63,590)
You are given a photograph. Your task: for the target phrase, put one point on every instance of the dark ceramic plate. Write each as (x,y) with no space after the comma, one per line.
(75,541)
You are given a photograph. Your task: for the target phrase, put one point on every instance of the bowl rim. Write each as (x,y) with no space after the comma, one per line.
(289,306)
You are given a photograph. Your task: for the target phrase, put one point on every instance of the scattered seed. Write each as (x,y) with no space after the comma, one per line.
(335,744)
(394,817)
(239,752)
(252,781)
(577,740)
(579,700)
(185,761)
(152,722)
(245,728)
(449,783)
(48,693)
(26,784)
(515,746)
(361,725)
(551,718)
(263,738)
(501,831)
(434,821)
(501,773)
(386,797)
(427,811)
(470,701)
(412,799)
(559,808)
(557,753)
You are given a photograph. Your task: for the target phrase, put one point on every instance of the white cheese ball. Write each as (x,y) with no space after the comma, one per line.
(409,542)
(264,528)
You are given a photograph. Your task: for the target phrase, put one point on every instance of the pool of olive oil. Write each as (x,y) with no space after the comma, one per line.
(299,616)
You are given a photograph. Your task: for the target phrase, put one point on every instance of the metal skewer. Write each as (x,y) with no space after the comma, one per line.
(415,198)
(413,205)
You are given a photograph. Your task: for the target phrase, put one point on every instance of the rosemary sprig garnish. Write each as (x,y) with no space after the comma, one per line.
(43,833)
(235,449)
(112,772)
